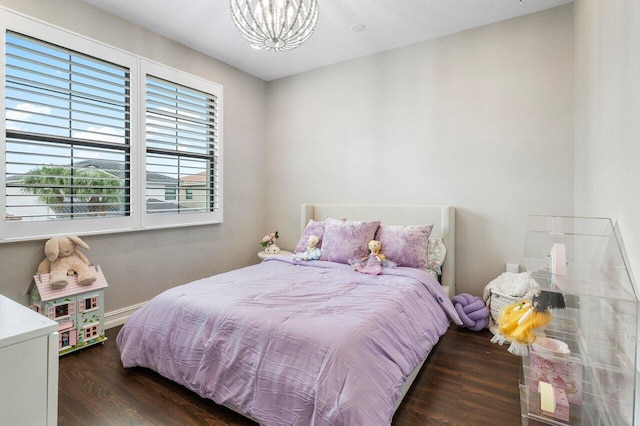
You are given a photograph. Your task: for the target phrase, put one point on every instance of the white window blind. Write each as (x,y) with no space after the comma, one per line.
(182,149)
(67,134)
(100,140)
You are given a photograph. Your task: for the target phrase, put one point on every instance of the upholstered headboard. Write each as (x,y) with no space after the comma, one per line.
(442,218)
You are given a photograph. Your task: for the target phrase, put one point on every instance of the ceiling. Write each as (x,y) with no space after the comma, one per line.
(206,26)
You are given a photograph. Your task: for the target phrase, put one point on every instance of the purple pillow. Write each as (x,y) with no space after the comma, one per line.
(312,228)
(344,240)
(406,245)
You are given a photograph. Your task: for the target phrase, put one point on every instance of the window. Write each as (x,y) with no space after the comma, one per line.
(61,311)
(67,133)
(169,194)
(90,303)
(182,144)
(101,140)
(90,332)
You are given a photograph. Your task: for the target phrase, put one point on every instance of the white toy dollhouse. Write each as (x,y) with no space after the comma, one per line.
(78,309)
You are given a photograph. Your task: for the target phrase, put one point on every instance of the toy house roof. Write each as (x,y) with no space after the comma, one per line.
(41,281)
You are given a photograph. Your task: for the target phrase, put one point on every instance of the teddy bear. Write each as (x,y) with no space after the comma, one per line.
(63,259)
(312,252)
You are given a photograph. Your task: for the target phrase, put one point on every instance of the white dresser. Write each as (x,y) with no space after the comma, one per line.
(28,366)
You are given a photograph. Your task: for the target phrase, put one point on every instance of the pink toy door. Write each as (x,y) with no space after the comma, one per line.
(73,337)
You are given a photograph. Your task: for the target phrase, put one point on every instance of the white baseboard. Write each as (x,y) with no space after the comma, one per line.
(120,316)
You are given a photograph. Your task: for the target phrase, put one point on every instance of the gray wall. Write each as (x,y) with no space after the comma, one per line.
(138,265)
(607,116)
(481,120)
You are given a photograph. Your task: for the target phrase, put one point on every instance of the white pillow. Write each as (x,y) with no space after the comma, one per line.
(436,254)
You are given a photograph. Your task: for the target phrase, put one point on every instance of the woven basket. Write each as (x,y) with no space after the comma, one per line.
(498,300)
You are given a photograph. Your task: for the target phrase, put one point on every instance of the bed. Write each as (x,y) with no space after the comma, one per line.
(306,342)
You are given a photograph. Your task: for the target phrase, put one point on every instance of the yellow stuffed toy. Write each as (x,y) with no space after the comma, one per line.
(517,323)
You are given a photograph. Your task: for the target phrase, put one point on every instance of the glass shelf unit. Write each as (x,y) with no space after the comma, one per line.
(580,261)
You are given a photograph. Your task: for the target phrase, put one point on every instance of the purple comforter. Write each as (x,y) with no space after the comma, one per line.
(308,343)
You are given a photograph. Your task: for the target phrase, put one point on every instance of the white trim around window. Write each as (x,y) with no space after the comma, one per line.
(151,72)
(138,217)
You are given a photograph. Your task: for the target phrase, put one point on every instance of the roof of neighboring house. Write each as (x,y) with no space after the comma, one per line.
(47,293)
(195,179)
(154,204)
(116,168)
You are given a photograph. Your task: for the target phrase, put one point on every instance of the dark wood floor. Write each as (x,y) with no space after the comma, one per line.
(466,381)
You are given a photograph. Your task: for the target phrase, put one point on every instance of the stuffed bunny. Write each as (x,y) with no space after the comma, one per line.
(63,259)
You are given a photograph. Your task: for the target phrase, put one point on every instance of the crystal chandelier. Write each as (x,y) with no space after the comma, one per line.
(277,25)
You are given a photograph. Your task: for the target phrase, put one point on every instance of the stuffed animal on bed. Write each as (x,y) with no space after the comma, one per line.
(374,262)
(63,259)
(312,252)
